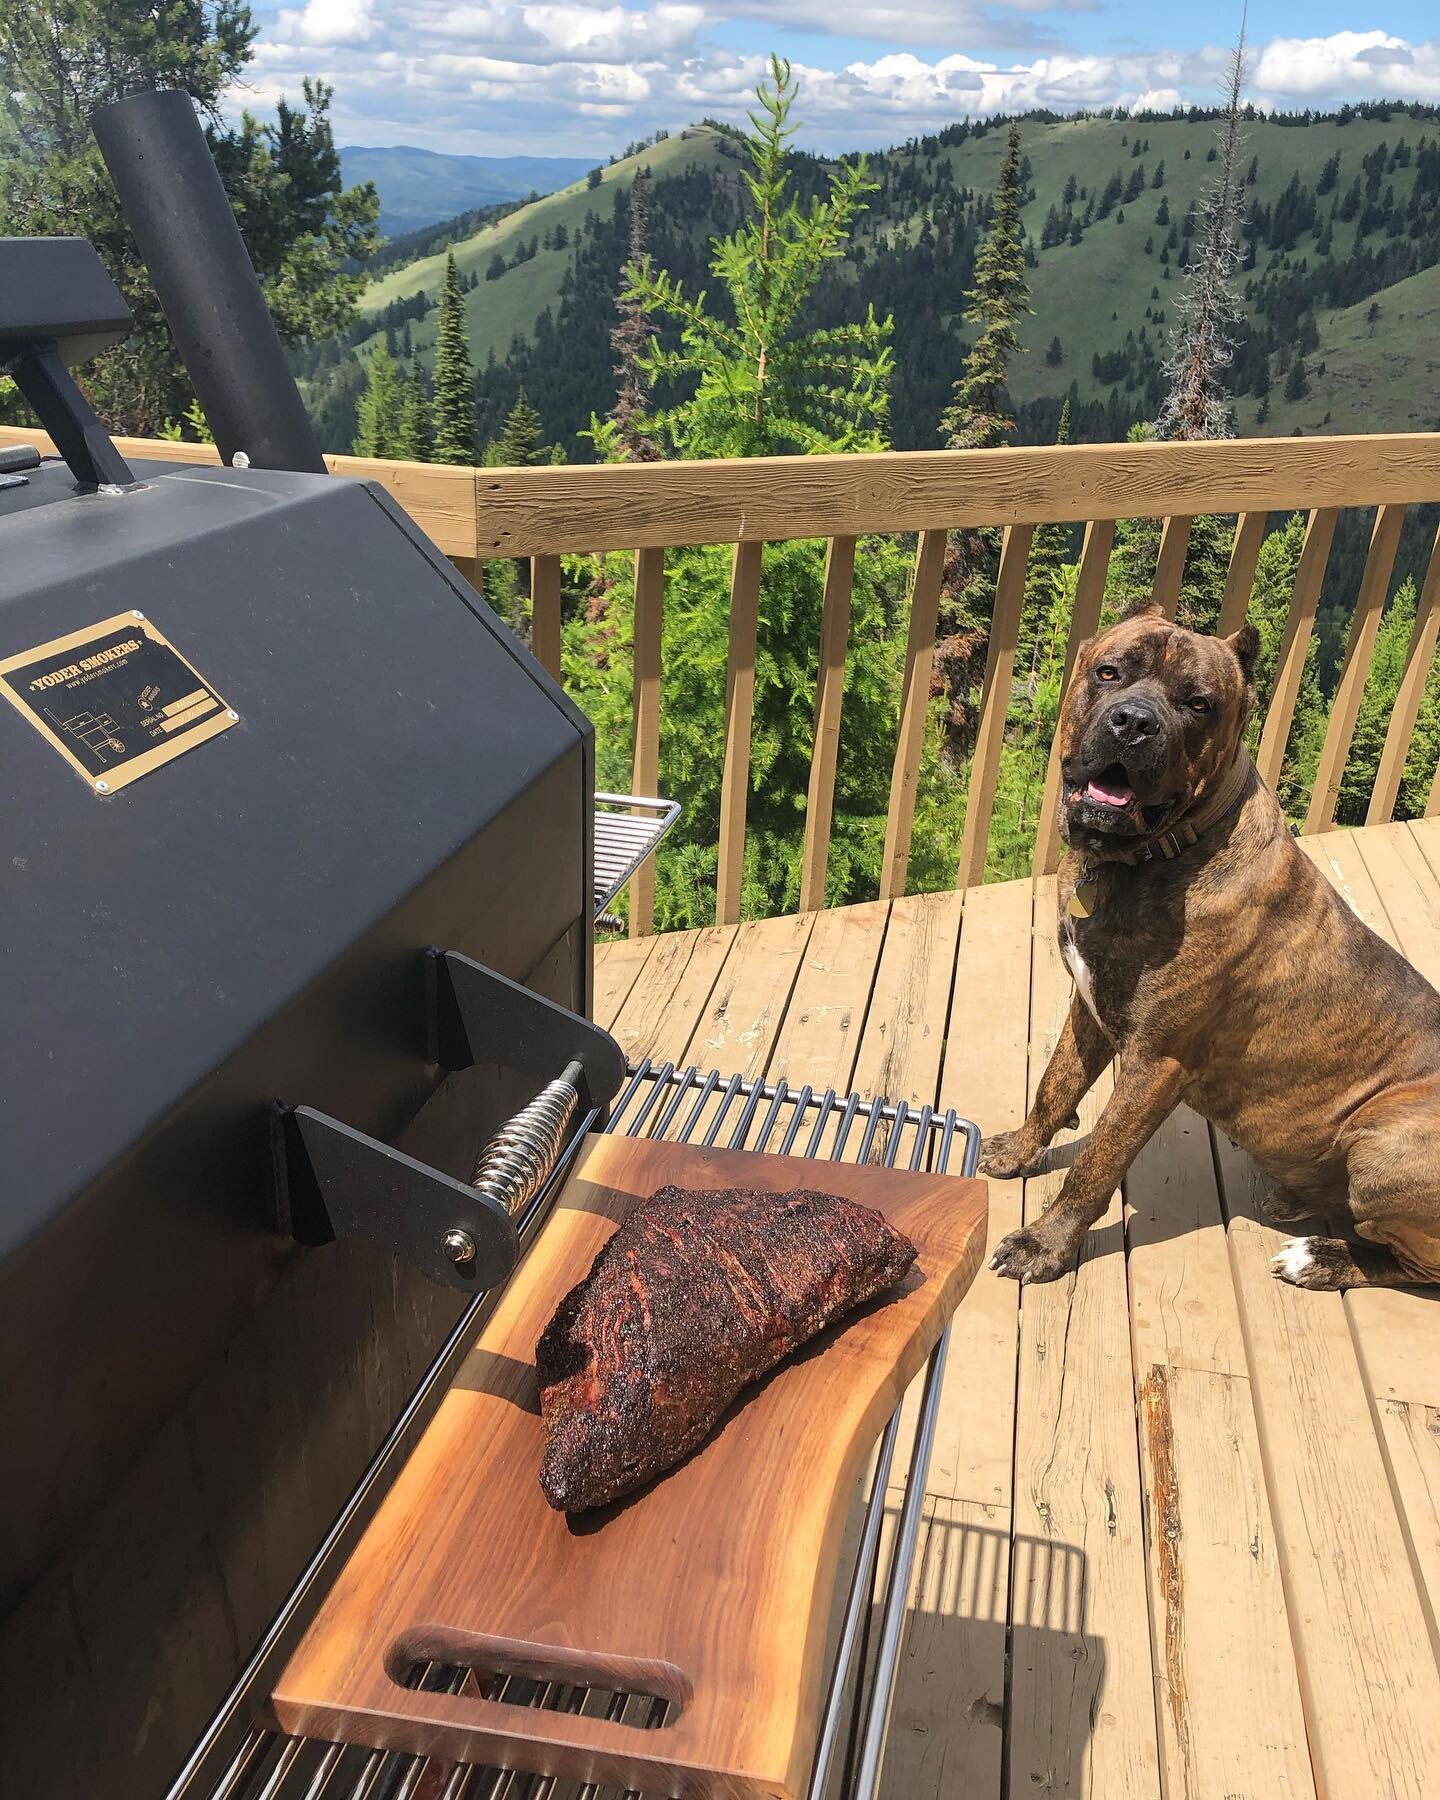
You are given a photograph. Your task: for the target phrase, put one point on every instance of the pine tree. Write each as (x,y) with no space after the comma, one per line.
(308,236)
(378,411)
(1297,382)
(632,335)
(414,432)
(521,444)
(454,411)
(760,386)
(1208,312)
(1049,552)
(979,415)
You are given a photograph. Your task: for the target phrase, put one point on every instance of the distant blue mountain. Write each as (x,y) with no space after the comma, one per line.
(421,187)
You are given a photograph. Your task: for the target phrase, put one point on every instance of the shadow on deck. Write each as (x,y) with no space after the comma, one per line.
(1182,1527)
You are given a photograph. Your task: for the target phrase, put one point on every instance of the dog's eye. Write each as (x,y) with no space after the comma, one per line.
(1198,703)
(1107,672)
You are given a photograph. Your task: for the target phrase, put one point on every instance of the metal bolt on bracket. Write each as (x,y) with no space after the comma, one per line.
(459,1246)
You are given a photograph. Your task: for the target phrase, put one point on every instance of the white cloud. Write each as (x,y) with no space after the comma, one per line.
(330,22)
(505,76)
(1356,64)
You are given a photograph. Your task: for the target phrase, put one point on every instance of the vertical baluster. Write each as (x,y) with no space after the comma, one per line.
(1170,563)
(914,699)
(1412,691)
(1350,690)
(994,703)
(1085,617)
(739,712)
(645,773)
(834,641)
(1244,554)
(1299,624)
(545,612)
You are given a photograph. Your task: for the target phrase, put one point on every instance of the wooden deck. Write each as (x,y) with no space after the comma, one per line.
(1182,1529)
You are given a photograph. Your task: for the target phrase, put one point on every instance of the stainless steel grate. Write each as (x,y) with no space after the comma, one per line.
(238,1761)
(628,827)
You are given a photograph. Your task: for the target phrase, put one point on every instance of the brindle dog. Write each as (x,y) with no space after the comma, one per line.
(1215,965)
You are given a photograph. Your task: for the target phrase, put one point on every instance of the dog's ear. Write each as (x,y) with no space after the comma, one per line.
(1142,609)
(1246,645)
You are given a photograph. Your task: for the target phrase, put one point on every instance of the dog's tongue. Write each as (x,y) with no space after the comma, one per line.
(1109,796)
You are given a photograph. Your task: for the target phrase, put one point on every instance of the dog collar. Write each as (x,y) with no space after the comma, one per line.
(1166,845)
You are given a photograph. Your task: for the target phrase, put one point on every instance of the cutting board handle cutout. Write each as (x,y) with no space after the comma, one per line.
(489,1656)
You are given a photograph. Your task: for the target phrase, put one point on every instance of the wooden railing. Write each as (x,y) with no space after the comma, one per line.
(539,514)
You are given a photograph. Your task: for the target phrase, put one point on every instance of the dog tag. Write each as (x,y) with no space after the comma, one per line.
(1082,901)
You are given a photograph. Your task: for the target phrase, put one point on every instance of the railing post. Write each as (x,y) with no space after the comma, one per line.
(1411,692)
(914,702)
(1170,563)
(1240,578)
(829,695)
(1349,692)
(994,703)
(739,716)
(1084,618)
(645,772)
(545,612)
(1294,646)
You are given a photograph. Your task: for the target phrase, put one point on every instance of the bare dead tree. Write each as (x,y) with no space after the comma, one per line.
(632,334)
(1202,344)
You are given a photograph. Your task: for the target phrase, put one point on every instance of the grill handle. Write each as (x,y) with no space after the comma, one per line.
(333,1181)
(521,1157)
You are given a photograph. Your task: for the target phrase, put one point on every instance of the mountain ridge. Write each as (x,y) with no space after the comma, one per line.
(420,187)
(1341,209)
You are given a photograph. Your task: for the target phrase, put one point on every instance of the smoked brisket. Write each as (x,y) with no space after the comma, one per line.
(693,1298)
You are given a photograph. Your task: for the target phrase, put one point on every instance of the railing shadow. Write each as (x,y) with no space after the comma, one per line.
(1000,1680)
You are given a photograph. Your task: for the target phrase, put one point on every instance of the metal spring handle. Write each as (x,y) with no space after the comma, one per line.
(518,1160)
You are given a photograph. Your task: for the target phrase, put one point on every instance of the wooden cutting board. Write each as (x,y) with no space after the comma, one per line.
(711,1588)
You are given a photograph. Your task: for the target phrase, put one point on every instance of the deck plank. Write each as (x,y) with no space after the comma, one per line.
(1367,1675)
(1182,1300)
(1397,1333)
(741,1020)
(945,1737)
(819,1040)
(1211,1557)
(905,1028)
(618,967)
(658,1016)
(1082,1710)
(904,1041)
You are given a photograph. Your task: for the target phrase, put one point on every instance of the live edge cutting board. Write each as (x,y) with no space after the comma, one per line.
(712,1587)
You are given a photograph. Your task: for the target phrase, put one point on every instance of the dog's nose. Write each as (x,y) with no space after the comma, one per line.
(1132,721)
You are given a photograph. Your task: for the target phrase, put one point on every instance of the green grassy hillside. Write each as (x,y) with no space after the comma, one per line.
(497,309)
(1329,231)
(1373,375)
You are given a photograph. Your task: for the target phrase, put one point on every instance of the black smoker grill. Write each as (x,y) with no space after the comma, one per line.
(297,897)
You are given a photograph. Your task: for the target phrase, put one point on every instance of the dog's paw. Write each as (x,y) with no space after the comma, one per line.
(1027,1255)
(1281,1207)
(1321,1264)
(1008,1155)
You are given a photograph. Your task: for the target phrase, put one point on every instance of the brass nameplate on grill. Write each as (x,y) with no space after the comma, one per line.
(116,701)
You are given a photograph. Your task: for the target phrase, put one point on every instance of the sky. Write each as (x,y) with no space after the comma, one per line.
(586,77)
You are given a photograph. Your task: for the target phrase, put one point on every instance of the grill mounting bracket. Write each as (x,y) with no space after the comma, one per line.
(333,1181)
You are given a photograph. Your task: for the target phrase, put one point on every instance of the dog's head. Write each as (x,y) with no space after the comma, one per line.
(1153,718)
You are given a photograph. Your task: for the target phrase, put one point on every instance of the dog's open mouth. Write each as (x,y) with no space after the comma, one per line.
(1110,789)
(1109,802)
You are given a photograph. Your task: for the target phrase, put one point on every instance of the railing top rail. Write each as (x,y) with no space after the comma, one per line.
(630,506)
(524,512)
